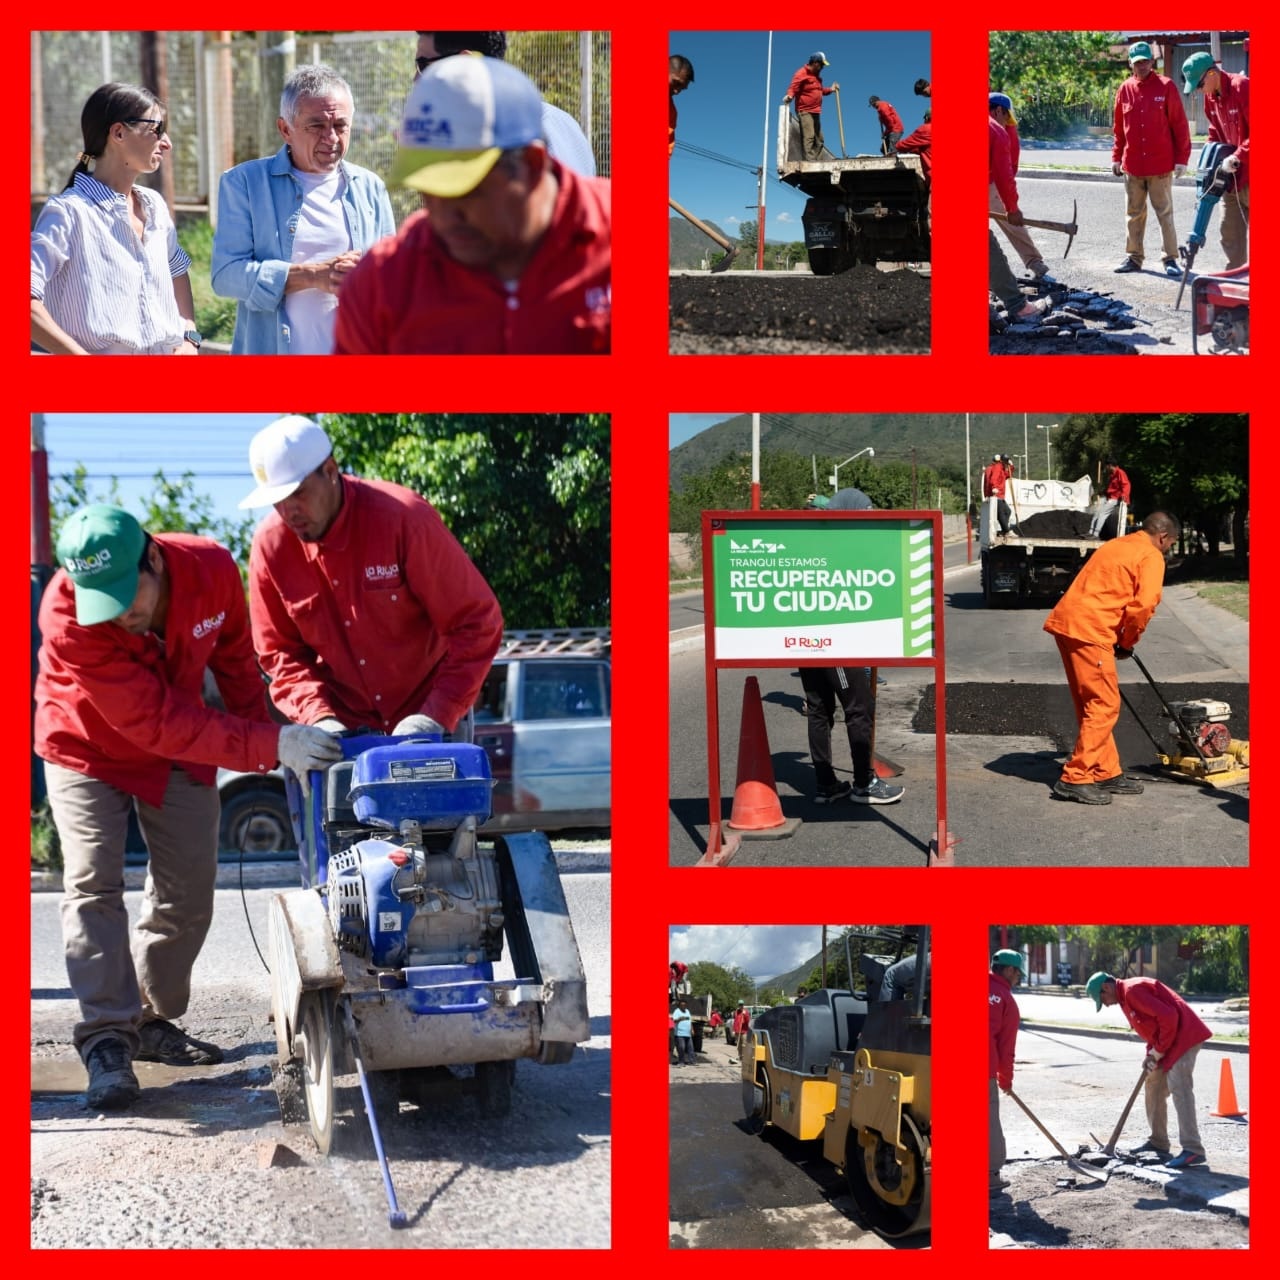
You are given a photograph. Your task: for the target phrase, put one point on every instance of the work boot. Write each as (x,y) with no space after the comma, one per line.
(1172,269)
(831,793)
(1121,786)
(1084,792)
(877,791)
(1184,1159)
(1039,268)
(112,1084)
(1129,264)
(161,1041)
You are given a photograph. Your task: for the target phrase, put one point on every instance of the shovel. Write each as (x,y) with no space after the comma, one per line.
(1110,1148)
(731,249)
(840,122)
(1062,1151)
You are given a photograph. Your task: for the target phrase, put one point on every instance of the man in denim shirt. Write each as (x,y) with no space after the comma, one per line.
(292,225)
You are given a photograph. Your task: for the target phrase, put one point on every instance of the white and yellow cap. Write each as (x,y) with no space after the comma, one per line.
(459,117)
(281,456)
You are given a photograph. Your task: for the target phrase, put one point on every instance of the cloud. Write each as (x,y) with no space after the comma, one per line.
(763,951)
(784,217)
(731,218)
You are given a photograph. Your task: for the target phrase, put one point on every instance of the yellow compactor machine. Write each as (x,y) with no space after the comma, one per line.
(853,1070)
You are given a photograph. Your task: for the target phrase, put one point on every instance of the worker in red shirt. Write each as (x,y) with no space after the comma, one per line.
(366,611)
(807,91)
(1100,618)
(128,627)
(680,72)
(1226,104)
(1152,145)
(995,481)
(1000,108)
(1173,1034)
(741,1019)
(1000,279)
(1007,969)
(510,254)
(1117,492)
(920,143)
(890,125)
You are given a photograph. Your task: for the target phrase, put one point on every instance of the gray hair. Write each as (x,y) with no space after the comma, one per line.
(316,80)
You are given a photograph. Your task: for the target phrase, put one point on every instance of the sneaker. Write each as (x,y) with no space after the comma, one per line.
(878,792)
(1121,786)
(112,1084)
(161,1041)
(1184,1159)
(1128,265)
(1172,269)
(1084,792)
(1032,310)
(829,795)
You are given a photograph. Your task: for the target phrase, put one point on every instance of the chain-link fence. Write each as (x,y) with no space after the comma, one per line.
(217,112)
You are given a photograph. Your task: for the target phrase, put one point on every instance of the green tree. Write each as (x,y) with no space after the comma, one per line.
(1059,81)
(725,986)
(526,494)
(748,235)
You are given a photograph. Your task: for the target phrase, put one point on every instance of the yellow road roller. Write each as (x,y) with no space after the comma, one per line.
(852,1068)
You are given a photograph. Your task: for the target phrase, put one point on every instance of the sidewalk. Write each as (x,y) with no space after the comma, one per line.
(1073,1009)
(1085,158)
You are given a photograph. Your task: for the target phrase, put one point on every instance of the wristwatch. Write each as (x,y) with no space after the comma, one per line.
(193,336)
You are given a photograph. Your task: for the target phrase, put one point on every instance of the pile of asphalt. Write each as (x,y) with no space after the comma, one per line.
(1077,324)
(1055,524)
(863,309)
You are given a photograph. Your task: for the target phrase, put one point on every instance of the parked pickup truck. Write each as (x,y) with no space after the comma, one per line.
(1052,542)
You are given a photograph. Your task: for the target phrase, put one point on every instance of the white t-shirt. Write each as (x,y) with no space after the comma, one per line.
(322,233)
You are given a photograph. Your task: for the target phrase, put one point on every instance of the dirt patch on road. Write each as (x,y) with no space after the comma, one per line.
(860,310)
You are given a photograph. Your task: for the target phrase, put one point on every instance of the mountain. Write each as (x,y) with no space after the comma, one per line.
(687,246)
(789,981)
(938,438)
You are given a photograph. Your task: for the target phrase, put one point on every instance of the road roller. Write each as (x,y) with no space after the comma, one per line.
(852,1070)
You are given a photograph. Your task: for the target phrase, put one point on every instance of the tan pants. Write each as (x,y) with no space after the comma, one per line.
(1235,228)
(995,1134)
(1178,1082)
(1016,236)
(118,990)
(810,135)
(1160,192)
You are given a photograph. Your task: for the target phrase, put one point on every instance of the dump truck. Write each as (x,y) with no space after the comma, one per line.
(1051,543)
(861,209)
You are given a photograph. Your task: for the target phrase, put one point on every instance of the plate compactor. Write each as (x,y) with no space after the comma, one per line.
(383,962)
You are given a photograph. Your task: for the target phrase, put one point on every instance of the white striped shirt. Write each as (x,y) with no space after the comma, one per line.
(112,292)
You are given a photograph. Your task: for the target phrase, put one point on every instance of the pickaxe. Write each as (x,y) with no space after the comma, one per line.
(731,249)
(1068,229)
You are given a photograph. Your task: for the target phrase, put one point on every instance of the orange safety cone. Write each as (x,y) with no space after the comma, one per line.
(756,806)
(1228,1108)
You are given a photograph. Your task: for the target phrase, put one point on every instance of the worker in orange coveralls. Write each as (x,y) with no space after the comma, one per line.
(681,74)
(1173,1034)
(1101,618)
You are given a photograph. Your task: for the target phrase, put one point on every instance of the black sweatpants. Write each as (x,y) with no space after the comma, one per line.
(823,686)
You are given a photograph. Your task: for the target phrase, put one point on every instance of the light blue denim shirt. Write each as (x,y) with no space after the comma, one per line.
(258,204)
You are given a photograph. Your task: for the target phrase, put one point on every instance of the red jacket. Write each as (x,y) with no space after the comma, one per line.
(808,91)
(383,618)
(125,709)
(741,1021)
(1118,485)
(671,125)
(1003,1018)
(993,480)
(1150,124)
(920,143)
(890,120)
(1000,165)
(409,297)
(1162,1019)
(1228,113)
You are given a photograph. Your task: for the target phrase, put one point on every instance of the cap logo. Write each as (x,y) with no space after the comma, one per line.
(428,131)
(260,472)
(89,564)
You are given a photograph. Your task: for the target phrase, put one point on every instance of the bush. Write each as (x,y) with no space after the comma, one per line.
(46,848)
(215,317)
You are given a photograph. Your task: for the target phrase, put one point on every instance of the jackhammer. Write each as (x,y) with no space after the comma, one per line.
(1211,184)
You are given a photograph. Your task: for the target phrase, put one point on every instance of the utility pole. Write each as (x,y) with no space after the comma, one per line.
(1048,457)
(764,156)
(755,462)
(968,470)
(824,957)
(915,488)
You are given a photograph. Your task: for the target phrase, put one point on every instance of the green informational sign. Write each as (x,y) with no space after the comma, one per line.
(833,589)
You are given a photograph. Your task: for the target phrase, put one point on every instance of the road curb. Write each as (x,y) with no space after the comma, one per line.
(1112,1033)
(1090,175)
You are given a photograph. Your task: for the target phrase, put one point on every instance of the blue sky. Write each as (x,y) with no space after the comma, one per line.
(683,425)
(763,951)
(724,111)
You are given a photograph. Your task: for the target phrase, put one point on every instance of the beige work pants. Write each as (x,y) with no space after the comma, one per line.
(1235,228)
(1016,236)
(810,135)
(995,1134)
(1159,190)
(1178,1082)
(119,980)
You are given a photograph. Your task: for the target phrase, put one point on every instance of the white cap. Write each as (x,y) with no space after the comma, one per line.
(282,456)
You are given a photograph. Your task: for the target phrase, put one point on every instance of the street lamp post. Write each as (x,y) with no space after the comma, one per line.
(1048,456)
(835,474)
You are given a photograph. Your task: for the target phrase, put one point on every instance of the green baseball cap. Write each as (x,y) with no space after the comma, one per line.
(1194,68)
(1140,49)
(1002,958)
(1094,987)
(99,547)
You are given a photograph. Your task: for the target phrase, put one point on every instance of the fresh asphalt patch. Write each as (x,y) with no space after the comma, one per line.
(862,309)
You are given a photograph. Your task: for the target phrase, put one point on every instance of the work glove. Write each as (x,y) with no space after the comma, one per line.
(330,724)
(1121,652)
(303,747)
(1152,1060)
(1117,170)
(417,725)
(1179,170)
(1231,164)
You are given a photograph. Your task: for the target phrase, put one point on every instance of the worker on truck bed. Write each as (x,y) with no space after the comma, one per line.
(366,610)
(1173,1035)
(1226,104)
(680,73)
(1100,618)
(995,480)
(128,627)
(1117,492)
(1007,968)
(890,125)
(807,91)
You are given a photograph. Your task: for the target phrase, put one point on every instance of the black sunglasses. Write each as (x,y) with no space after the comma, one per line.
(155,126)
(424,63)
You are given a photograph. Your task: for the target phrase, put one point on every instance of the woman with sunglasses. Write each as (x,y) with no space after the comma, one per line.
(107,273)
